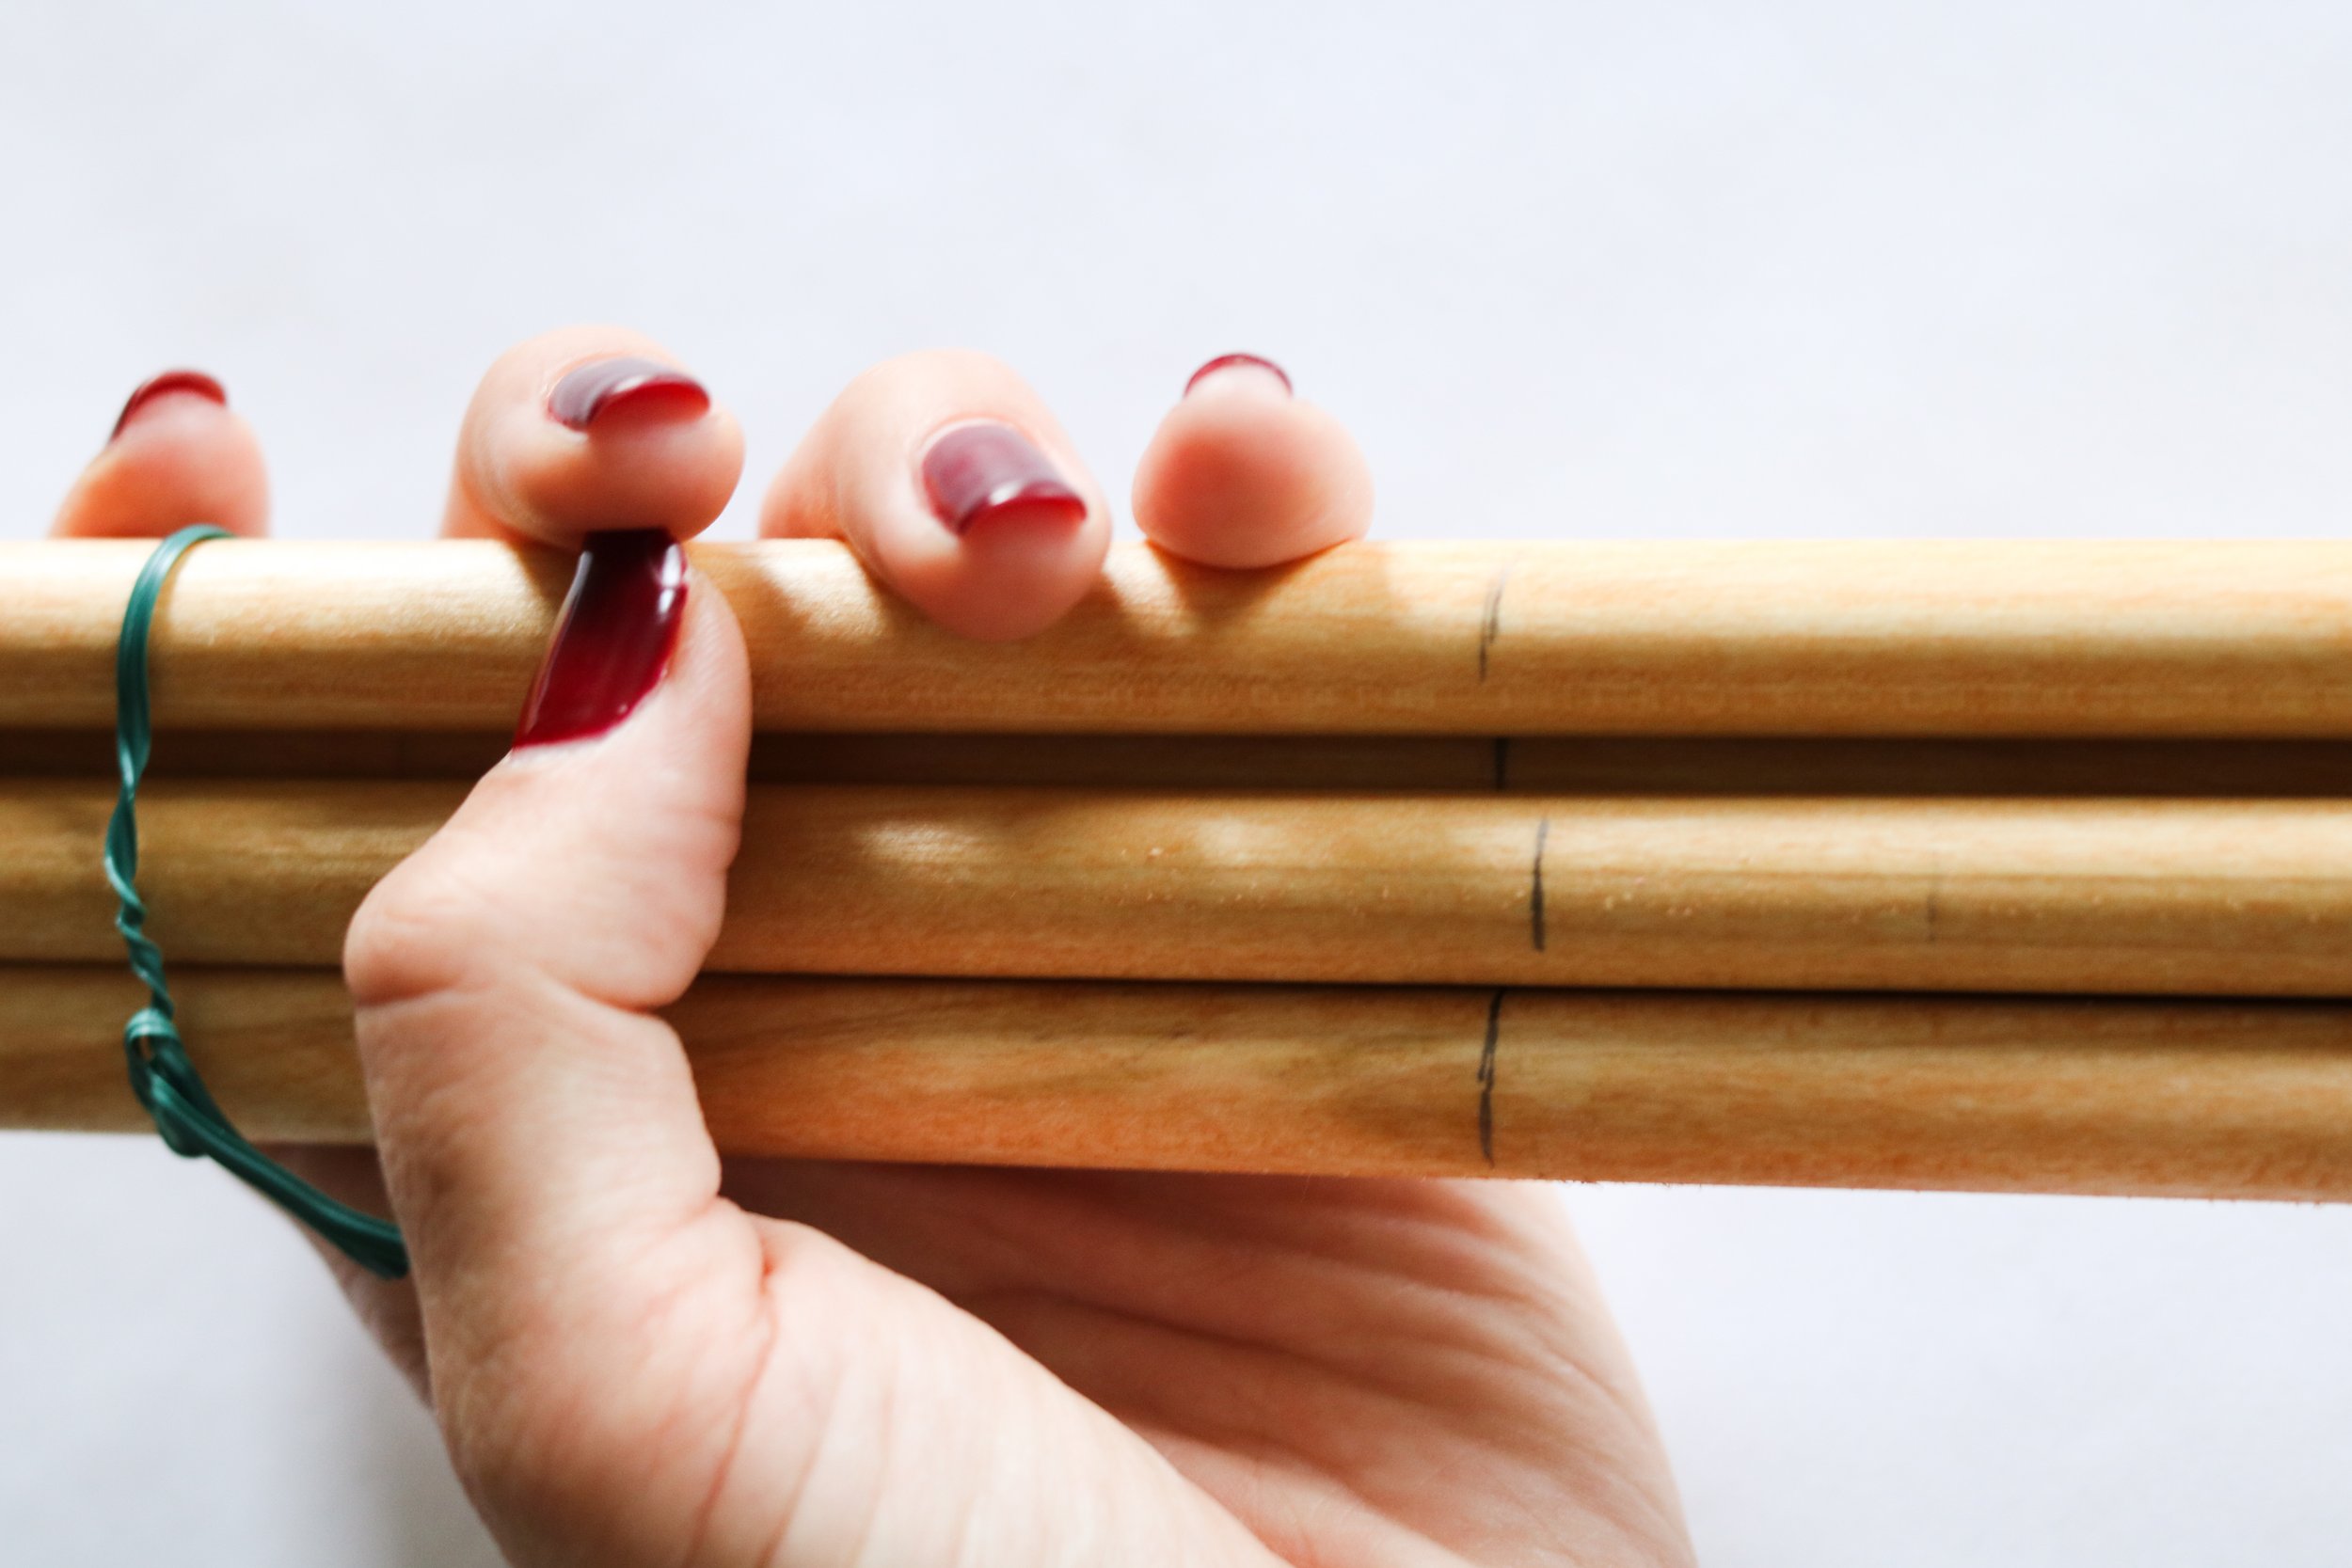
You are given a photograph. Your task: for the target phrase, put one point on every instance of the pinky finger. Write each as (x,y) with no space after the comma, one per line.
(1244,474)
(177,455)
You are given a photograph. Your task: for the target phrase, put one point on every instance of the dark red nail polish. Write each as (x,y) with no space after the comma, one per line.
(620,623)
(595,390)
(171,381)
(978,472)
(1226,361)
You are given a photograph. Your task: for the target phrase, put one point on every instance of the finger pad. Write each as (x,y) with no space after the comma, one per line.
(184,460)
(1248,483)
(1009,577)
(648,473)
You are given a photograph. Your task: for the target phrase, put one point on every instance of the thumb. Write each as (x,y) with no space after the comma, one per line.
(535,1122)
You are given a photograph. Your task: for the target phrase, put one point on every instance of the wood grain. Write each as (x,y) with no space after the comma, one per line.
(1837,639)
(2184,1098)
(2219,897)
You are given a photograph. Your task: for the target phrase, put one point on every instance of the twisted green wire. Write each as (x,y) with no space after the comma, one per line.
(162,1076)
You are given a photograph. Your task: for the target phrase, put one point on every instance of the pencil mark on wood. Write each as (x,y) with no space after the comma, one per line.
(1491,623)
(1486,1077)
(1536,887)
(1502,762)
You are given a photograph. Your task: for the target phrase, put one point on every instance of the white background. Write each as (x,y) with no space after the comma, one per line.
(1675,269)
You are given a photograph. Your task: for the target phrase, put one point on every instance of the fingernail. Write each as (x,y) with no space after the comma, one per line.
(161,385)
(595,390)
(978,472)
(620,622)
(1233,361)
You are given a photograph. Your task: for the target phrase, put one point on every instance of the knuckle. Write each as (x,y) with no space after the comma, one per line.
(424,928)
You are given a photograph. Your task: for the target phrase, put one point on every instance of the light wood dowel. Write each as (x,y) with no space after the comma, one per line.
(2224,898)
(2209,1100)
(1851,638)
(1600,765)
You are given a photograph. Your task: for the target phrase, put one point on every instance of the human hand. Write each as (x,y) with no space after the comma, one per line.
(641,1353)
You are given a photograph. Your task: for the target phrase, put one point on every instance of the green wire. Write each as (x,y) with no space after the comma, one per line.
(162,1076)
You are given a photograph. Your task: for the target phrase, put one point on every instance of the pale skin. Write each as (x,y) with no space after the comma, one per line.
(641,1353)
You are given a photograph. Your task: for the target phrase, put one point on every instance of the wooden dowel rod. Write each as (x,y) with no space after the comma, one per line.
(1849,638)
(1606,764)
(2186,1099)
(2218,897)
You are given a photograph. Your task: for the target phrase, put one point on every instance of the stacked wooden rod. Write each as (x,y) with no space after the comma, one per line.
(2009,866)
